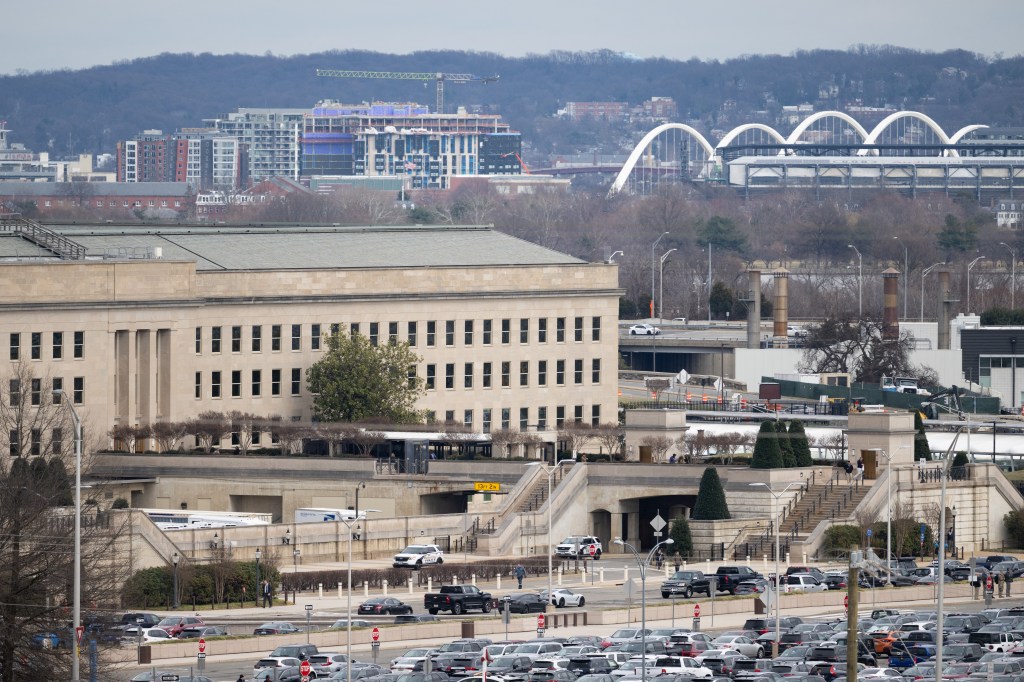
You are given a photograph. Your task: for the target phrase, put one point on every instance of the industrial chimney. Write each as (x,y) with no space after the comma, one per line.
(890,315)
(944,309)
(753,303)
(781,311)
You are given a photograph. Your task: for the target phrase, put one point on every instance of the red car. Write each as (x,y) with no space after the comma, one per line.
(173,625)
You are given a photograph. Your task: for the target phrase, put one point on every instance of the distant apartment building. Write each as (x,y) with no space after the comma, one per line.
(19,163)
(114,200)
(201,157)
(1001,141)
(1009,213)
(663,108)
(268,141)
(599,111)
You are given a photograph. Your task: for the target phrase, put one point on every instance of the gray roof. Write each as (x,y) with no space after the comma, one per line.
(97,189)
(287,248)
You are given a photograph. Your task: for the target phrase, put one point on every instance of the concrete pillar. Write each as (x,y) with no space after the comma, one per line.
(944,309)
(890,295)
(753,301)
(781,310)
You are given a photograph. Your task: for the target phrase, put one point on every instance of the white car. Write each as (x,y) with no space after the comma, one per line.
(743,645)
(798,332)
(802,582)
(152,635)
(416,556)
(563,597)
(644,329)
(410,660)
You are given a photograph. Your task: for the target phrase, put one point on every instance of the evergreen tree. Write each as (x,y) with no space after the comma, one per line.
(960,459)
(682,544)
(767,454)
(801,446)
(785,446)
(921,449)
(710,504)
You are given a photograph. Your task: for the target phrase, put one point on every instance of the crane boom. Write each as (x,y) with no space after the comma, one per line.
(437,76)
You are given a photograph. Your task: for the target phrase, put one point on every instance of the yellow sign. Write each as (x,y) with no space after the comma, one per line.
(487,487)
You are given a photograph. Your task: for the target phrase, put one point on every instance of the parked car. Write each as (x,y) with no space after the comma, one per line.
(524,602)
(578,547)
(326,663)
(383,606)
(343,623)
(275,628)
(686,583)
(273,661)
(756,586)
(744,645)
(418,556)
(203,631)
(415,618)
(299,651)
(644,329)
(155,635)
(146,620)
(172,625)
(563,597)
(802,582)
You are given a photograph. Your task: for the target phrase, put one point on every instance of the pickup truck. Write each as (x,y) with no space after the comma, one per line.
(728,577)
(686,583)
(458,599)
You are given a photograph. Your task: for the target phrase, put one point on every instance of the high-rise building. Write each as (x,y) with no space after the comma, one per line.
(268,141)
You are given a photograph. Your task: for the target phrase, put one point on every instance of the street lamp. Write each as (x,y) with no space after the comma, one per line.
(778,578)
(653,247)
(363,486)
(860,281)
(259,590)
(888,511)
(642,564)
(1013,273)
(611,258)
(550,469)
(348,599)
(923,273)
(661,284)
(973,263)
(295,560)
(906,273)
(941,574)
(76,612)
(174,560)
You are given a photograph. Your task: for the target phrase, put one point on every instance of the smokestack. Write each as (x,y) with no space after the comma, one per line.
(781,311)
(891,315)
(944,309)
(753,302)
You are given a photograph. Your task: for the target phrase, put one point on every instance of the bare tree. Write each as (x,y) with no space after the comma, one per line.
(364,439)
(123,436)
(501,441)
(456,435)
(290,435)
(168,435)
(659,445)
(575,435)
(245,425)
(209,429)
(834,444)
(609,435)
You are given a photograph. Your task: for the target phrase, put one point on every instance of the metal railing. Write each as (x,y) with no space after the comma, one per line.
(41,236)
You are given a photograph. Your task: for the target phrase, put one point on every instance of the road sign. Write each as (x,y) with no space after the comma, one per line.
(304,678)
(869,532)
(201,655)
(202,645)
(593,550)
(168,678)
(540,621)
(696,610)
(79,631)
(846,602)
(375,634)
(487,487)
(305,669)
(658,523)
(988,582)
(309,607)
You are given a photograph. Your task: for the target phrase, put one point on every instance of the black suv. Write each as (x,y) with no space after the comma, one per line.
(686,583)
(728,577)
(586,665)
(299,651)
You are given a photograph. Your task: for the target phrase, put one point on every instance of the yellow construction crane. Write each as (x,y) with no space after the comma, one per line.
(440,78)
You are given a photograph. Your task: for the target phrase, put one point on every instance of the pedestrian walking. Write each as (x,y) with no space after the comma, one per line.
(241,677)
(267,601)
(520,573)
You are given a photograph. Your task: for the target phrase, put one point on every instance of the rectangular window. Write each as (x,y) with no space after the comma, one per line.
(486,421)
(506,372)
(595,415)
(487,332)
(296,337)
(431,333)
(411,333)
(577,373)
(542,418)
(392,332)
(314,336)
(275,338)
(236,339)
(199,385)
(560,372)
(58,390)
(560,416)
(335,328)
(14,386)
(487,375)
(58,345)
(275,382)
(449,416)
(467,418)
(79,350)
(257,383)
(578,330)
(215,339)
(431,377)
(449,375)
(257,338)
(37,345)
(15,346)
(56,441)
(560,330)
(595,371)
(506,418)
(214,384)
(14,440)
(524,373)
(542,372)
(524,330)
(353,329)
(467,375)
(578,414)
(542,330)
(524,419)
(595,329)
(37,391)
(78,396)
(410,376)
(374,333)
(37,442)
(236,383)
(506,332)
(467,332)
(449,332)
(296,380)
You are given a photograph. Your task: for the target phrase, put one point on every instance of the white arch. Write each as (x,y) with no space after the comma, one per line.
(627,168)
(955,137)
(740,129)
(807,122)
(888,120)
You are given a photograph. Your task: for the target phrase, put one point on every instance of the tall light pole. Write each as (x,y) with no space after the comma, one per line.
(923,273)
(969,267)
(550,469)
(778,578)
(348,598)
(860,281)
(941,577)
(174,560)
(906,273)
(259,588)
(888,510)
(76,609)
(653,266)
(709,282)
(1013,274)
(661,284)
(611,258)
(642,564)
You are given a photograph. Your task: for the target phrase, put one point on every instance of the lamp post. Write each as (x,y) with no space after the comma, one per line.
(860,281)
(550,469)
(76,609)
(906,273)
(888,511)
(941,577)
(363,486)
(778,578)
(174,598)
(1013,274)
(661,284)
(969,267)
(923,273)
(259,588)
(611,258)
(348,598)
(295,560)
(653,247)
(709,282)
(642,564)
(952,533)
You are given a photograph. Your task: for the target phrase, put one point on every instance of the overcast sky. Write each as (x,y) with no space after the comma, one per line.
(56,34)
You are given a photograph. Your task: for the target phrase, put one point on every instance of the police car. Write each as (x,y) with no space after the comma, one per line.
(415,556)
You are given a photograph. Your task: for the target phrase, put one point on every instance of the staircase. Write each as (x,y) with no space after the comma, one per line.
(29,229)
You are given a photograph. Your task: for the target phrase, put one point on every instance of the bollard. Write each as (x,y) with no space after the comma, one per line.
(708,567)
(668,572)
(339,591)
(499,583)
(430,584)
(601,576)
(805,557)
(472,579)
(559,576)
(748,560)
(765,563)
(684,564)
(320,590)
(787,559)
(625,575)
(410,586)
(366,589)
(455,580)
(384,584)
(583,575)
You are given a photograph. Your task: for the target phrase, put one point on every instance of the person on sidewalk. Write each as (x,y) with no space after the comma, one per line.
(241,677)
(520,573)
(267,600)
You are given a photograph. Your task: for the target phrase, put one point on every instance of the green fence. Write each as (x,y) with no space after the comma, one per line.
(870,394)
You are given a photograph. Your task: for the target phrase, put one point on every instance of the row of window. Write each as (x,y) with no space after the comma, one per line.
(111,203)
(256,383)
(35,443)
(56,345)
(506,368)
(469,331)
(35,391)
(539,419)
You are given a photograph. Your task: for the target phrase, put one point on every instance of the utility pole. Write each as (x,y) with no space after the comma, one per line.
(852,642)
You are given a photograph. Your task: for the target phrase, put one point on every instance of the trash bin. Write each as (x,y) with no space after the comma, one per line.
(696,624)
(468,629)
(145,654)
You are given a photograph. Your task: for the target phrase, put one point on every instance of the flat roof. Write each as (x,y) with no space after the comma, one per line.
(317,248)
